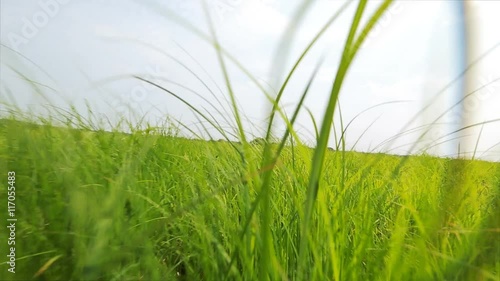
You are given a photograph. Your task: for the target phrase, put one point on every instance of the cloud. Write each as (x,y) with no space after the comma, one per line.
(106,30)
(257,17)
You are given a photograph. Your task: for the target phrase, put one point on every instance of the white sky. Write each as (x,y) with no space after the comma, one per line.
(411,55)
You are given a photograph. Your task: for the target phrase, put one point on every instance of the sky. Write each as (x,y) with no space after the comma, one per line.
(85,53)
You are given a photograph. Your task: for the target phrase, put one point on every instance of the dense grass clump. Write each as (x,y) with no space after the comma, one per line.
(96,205)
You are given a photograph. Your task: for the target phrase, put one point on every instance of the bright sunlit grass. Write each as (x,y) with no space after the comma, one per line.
(150,205)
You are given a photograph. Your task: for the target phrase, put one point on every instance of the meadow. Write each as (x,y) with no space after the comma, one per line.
(149,204)
(97,205)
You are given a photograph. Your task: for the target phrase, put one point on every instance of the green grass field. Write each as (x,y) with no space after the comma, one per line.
(114,206)
(97,205)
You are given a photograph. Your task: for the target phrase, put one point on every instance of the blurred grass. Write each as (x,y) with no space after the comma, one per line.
(149,205)
(144,206)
